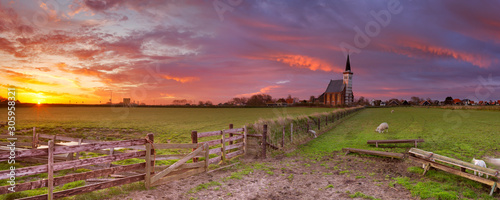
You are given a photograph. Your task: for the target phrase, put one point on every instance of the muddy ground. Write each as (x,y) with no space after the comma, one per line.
(334,177)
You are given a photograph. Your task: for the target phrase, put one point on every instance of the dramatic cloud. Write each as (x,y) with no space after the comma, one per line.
(156,51)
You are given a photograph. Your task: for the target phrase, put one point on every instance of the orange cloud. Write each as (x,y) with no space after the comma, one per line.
(262,90)
(477,60)
(307,62)
(24,78)
(181,79)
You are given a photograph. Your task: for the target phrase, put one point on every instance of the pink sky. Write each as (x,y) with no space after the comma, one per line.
(157,51)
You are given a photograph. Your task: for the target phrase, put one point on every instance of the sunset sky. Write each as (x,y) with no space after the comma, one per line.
(61,51)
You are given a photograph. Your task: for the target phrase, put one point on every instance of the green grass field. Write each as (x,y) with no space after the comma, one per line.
(173,124)
(461,134)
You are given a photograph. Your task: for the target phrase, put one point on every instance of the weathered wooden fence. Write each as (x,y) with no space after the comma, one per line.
(430,159)
(288,134)
(232,143)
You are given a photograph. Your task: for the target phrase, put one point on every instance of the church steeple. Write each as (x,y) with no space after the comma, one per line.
(348,64)
(349,97)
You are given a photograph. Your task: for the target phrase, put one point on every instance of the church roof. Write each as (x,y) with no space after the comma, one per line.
(335,86)
(348,64)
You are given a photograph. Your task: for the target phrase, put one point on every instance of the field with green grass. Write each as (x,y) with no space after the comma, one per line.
(461,134)
(173,124)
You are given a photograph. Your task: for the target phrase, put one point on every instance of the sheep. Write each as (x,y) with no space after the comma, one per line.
(392,111)
(480,163)
(313,132)
(382,127)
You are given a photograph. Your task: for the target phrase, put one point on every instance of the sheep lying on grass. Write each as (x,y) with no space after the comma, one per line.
(382,127)
(392,111)
(480,163)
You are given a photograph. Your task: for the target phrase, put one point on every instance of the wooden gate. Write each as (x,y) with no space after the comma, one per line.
(179,169)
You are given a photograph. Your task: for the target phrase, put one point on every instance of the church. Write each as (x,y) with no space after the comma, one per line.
(339,92)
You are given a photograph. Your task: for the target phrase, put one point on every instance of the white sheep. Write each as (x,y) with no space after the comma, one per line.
(392,111)
(382,127)
(480,163)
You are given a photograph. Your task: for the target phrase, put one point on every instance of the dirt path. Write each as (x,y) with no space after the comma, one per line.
(295,177)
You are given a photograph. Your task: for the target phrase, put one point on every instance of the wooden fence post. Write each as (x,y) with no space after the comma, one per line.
(223,141)
(231,134)
(34,140)
(111,151)
(147,178)
(244,140)
(319,123)
(326,120)
(194,140)
(283,137)
(291,132)
(207,156)
(264,142)
(149,152)
(77,154)
(50,171)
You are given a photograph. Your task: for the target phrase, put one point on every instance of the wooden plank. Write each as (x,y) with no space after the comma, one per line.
(215,160)
(90,188)
(183,166)
(72,178)
(230,139)
(16,136)
(264,142)
(377,153)
(213,142)
(394,141)
(71,164)
(177,146)
(234,146)
(208,134)
(233,154)
(454,171)
(20,144)
(72,149)
(452,161)
(67,139)
(177,156)
(215,151)
(178,176)
(236,130)
(156,177)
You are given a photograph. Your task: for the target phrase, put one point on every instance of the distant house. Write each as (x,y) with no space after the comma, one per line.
(405,103)
(382,103)
(290,101)
(466,102)
(281,102)
(498,102)
(394,102)
(457,102)
(425,103)
(271,103)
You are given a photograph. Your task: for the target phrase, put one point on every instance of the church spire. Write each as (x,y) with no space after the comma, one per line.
(348,64)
